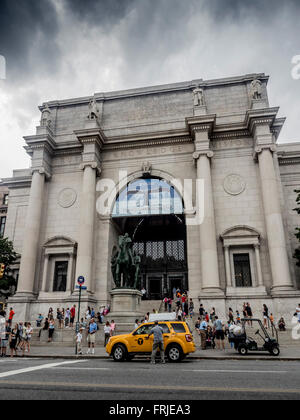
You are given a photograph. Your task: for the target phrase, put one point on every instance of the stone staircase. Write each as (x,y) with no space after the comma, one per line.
(149,305)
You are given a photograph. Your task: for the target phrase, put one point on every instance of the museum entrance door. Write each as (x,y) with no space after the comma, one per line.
(158,236)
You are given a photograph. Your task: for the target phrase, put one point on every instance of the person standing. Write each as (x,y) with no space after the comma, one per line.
(29,331)
(220,335)
(11,316)
(212,315)
(67,318)
(51,330)
(266,316)
(249,314)
(158,343)
(107,333)
(79,341)
(113,327)
(92,329)
(201,312)
(203,334)
(165,301)
(230,316)
(73,315)
(13,339)
(298,312)
(4,341)
(191,308)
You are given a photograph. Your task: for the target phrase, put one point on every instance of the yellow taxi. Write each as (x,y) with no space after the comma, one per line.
(178,342)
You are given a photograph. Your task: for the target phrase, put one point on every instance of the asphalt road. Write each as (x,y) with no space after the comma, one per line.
(32,379)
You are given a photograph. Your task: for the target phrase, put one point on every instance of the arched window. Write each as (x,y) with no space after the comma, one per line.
(148,197)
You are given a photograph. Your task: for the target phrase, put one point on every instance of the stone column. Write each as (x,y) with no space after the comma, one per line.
(45,272)
(31,234)
(208,237)
(227,266)
(274,224)
(70,272)
(86,229)
(258,266)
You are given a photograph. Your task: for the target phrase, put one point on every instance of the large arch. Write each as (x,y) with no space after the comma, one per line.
(159,238)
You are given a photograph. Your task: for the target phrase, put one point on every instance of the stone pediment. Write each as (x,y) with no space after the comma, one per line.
(240,235)
(60,242)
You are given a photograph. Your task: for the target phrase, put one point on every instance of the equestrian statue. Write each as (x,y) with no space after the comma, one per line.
(125,265)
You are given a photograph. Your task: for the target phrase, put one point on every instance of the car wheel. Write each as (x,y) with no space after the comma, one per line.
(174,353)
(119,353)
(243,350)
(275,351)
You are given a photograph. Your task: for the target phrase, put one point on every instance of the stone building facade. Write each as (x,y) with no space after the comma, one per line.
(236,237)
(3,208)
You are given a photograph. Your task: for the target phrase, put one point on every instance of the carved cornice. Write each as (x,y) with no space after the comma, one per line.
(165,141)
(201,123)
(91,135)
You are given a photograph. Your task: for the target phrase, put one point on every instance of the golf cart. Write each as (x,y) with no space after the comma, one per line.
(243,343)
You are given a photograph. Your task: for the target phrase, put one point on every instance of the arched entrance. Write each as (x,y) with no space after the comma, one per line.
(151,211)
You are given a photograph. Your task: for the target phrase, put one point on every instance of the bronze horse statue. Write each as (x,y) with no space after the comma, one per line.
(125,265)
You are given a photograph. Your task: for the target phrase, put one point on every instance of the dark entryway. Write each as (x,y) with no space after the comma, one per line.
(161,243)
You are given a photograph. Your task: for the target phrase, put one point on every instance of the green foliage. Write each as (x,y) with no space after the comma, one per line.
(297,234)
(7,257)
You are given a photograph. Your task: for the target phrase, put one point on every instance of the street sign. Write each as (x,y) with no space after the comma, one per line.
(81,287)
(80,280)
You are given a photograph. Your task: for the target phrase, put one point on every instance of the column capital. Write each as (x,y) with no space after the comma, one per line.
(259,149)
(208,153)
(41,171)
(93,165)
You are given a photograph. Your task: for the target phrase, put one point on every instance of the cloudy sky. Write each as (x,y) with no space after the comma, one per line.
(56,49)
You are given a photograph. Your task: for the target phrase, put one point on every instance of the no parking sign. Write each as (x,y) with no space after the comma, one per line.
(80,280)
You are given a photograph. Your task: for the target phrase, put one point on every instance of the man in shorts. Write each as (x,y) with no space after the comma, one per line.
(92,329)
(220,335)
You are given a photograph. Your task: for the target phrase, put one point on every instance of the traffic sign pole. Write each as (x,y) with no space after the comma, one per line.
(80,281)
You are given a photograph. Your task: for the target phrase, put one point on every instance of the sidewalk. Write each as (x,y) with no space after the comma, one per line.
(288,353)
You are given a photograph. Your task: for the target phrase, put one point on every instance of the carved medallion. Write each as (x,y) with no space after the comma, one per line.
(67,197)
(234,184)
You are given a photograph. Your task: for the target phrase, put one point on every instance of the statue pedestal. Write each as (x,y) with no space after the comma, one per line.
(125,305)
(258,104)
(200,110)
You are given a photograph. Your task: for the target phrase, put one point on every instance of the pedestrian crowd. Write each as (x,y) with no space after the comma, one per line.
(14,337)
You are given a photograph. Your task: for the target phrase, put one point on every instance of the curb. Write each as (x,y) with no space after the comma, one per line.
(224,358)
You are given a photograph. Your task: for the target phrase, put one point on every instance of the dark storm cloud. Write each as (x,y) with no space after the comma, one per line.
(241,9)
(104,12)
(27,35)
